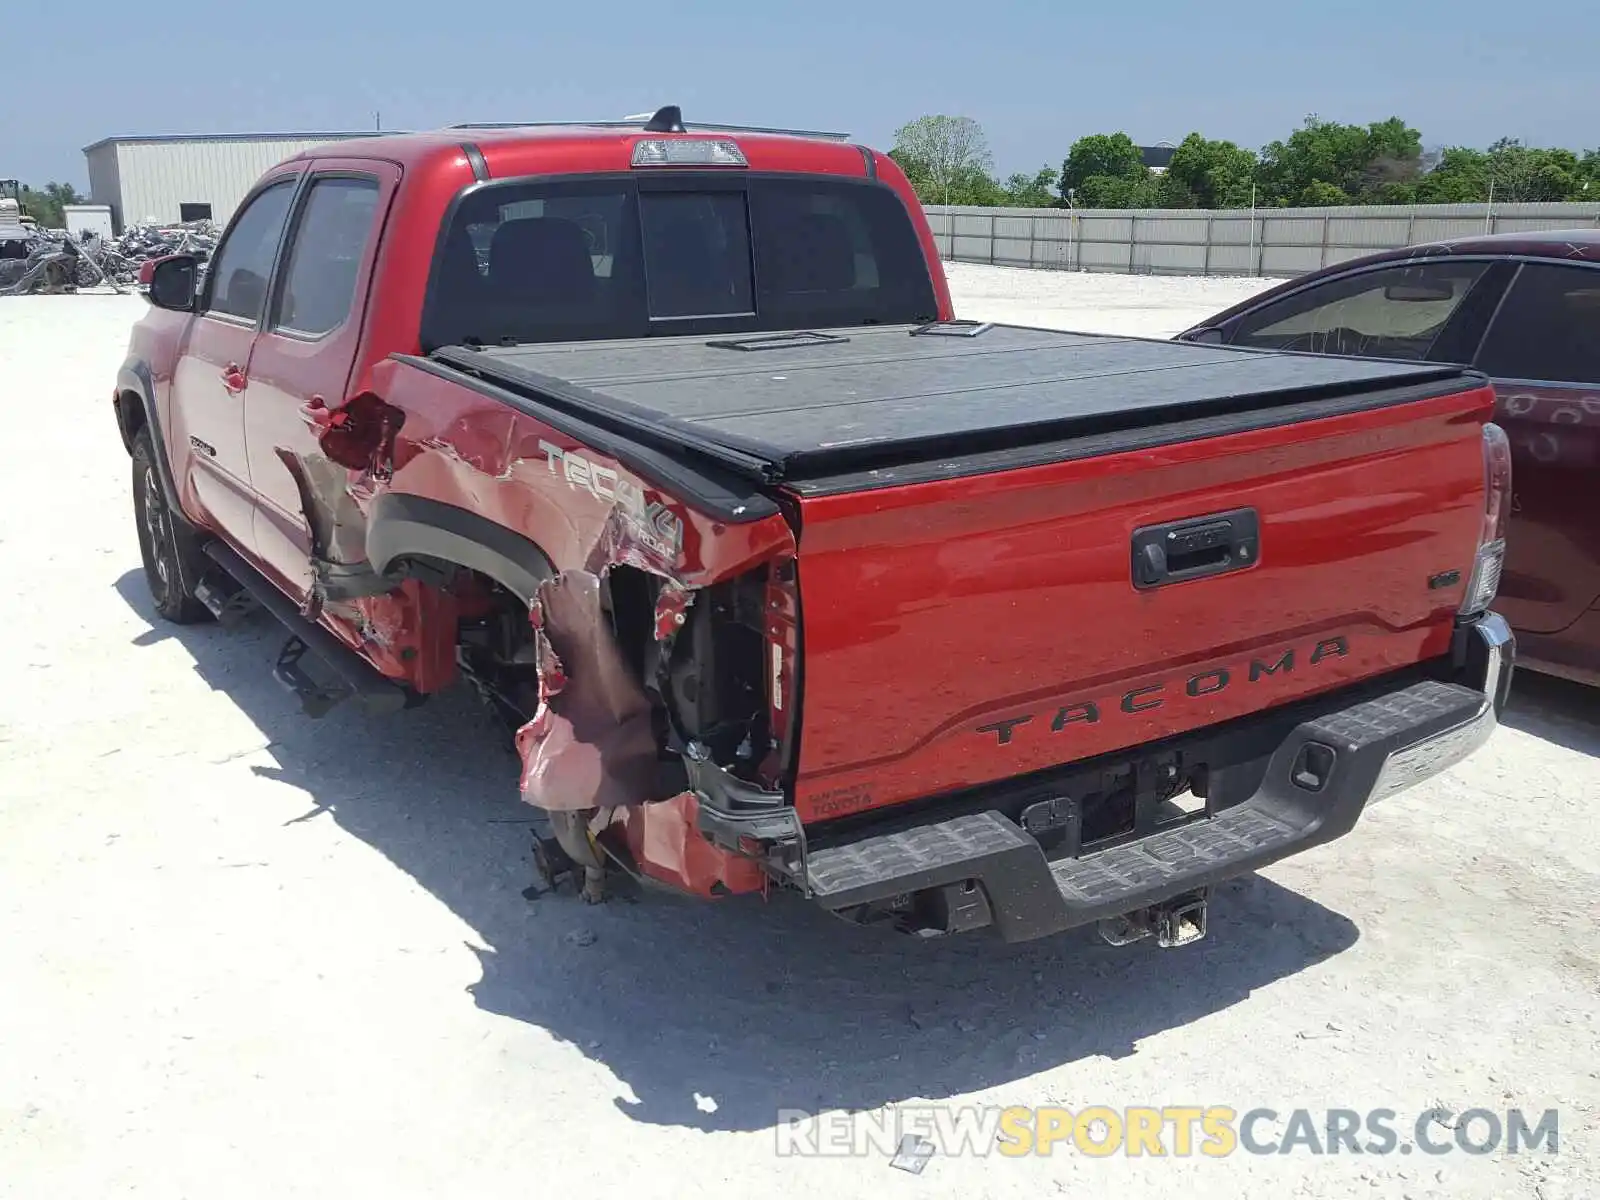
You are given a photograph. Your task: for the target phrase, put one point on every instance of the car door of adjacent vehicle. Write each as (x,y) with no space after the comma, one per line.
(303,361)
(1543,352)
(212,371)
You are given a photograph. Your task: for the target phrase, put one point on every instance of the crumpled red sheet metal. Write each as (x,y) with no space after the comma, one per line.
(665,840)
(590,743)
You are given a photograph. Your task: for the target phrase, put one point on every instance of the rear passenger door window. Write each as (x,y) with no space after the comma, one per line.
(240,271)
(1548,329)
(325,255)
(1394,312)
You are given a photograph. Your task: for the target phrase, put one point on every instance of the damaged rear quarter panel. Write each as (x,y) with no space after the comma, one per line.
(587,745)
(583,508)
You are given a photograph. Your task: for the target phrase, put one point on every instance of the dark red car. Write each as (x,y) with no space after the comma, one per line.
(1523,308)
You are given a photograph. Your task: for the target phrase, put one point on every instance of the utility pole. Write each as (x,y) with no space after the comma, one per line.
(1252,229)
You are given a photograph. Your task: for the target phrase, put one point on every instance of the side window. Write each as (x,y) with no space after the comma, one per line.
(1395,312)
(325,253)
(1548,328)
(240,272)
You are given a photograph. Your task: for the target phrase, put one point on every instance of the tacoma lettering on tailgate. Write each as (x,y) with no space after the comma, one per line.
(1143,699)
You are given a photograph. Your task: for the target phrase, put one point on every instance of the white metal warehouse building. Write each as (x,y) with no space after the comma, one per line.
(187,177)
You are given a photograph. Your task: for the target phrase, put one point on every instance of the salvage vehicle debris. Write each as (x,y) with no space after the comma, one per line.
(53,261)
(17,228)
(667,441)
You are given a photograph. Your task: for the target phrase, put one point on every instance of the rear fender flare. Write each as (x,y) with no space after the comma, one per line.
(403,526)
(134,378)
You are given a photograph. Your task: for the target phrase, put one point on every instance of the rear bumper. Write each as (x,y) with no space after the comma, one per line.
(987,870)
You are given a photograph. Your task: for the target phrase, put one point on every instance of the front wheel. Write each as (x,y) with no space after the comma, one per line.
(173,561)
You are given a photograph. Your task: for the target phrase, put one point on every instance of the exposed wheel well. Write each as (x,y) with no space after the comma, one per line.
(404,527)
(131,416)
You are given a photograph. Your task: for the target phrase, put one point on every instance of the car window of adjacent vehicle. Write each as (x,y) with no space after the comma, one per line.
(1548,328)
(325,253)
(610,258)
(243,265)
(1392,312)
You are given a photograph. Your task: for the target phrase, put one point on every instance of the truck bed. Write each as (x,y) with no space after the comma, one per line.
(805,410)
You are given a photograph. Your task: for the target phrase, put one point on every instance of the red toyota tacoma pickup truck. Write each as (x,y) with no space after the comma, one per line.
(669,442)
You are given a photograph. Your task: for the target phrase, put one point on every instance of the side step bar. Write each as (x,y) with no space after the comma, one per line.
(357,679)
(228,606)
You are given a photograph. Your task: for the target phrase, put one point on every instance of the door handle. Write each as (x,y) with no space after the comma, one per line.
(1196,548)
(233,378)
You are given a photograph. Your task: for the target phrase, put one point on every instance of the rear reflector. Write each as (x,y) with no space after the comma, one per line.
(1485,582)
(688,152)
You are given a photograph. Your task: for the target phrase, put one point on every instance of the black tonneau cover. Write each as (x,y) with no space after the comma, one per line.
(787,408)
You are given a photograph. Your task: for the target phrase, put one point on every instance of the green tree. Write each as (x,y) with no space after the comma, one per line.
(45,206)
(1521,173)
(1103,157)
(1116,191)
(1461,176)
(1394,152)
(1213,174)
(1032,191)
(1318,194)
(1357,160)
(1513,171)
(1166,191)
(977,187)
(1589,171)
(940,155)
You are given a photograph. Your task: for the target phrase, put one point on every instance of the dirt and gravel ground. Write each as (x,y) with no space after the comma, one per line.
(242,954)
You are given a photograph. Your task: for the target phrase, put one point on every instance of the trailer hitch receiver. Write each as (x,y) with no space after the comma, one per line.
(1175,922)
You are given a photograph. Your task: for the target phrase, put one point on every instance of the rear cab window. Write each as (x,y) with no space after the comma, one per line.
(625,256)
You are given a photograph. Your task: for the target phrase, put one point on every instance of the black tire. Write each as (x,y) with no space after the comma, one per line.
(168,544)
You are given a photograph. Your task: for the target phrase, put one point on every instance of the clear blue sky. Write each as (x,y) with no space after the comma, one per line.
(1036,74)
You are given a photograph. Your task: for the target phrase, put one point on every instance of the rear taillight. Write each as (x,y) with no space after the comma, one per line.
(1485,581)
(783,662)
(1496,483)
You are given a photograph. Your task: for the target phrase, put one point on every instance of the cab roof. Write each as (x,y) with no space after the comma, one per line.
(503,139)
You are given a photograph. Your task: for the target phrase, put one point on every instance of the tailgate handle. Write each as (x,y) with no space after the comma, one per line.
(1196,548)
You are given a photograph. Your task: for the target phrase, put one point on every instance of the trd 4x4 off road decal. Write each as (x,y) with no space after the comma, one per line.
(657,526)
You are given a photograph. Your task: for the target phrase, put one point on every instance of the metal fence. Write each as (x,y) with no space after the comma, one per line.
(1278,241)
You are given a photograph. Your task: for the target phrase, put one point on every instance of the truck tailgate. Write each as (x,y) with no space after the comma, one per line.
(960,631)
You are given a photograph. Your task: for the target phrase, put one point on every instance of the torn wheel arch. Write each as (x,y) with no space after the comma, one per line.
(402,526)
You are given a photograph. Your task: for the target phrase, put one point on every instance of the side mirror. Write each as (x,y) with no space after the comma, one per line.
(1208,335)
(174,282)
